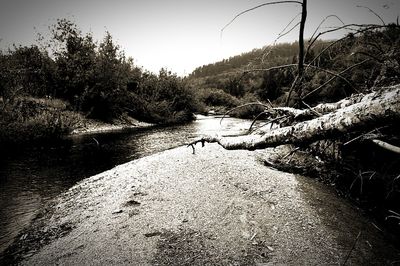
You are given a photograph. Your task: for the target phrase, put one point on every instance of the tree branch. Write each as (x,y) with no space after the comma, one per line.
(386,146)
(241,106)
(371,111)
(280,35)
(373,12)
(315,32)
(330,80)
(256,7)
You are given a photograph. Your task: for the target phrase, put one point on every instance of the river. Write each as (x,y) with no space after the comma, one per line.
(33,176)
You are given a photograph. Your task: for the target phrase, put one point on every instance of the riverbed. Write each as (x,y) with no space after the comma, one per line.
(168,206)
(31,177)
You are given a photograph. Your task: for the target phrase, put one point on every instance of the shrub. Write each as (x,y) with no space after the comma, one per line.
(31,120)
(216,97)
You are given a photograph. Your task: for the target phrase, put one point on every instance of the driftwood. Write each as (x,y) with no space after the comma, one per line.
(355,113)
(386,145)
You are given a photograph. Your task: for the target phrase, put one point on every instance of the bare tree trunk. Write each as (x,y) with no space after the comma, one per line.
(301,38)
(300,66)
(374,110)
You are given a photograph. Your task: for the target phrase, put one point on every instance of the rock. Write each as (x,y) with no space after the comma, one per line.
(132,203)
(152,234)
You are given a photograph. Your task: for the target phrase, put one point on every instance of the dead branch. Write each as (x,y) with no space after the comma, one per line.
(376,109)
(311,109)
(373,12)
(256,7)
(269,121)
(363,136)
(322,22)
(267,50)
(386,146)
(352,248)
(294,84)
(255,120)
(356,28)
(337,75)
(241,106)
(331,79)
(280,35)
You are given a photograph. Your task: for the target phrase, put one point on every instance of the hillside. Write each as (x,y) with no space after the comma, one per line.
(354,64)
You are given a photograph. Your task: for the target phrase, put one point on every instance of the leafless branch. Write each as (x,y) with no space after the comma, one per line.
(311,109)
(316,30)
(255,120)
(386,146)
(271,68)
(307,65)
(241,106)
(256,7)
(287,32)
(322,22)
(294,84)
(370,55)
(358,28)
(330,80)
(280,35)
(290,22)
(363,136)
(351,249)
(373,12)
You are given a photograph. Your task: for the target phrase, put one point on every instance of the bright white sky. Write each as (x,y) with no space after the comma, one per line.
(180,35)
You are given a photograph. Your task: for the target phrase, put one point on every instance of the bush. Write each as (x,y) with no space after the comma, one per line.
(163,99)
(31,120)
(216,97)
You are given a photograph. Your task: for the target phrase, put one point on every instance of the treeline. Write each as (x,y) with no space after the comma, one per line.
(337,69)
(96,80)
(279,53)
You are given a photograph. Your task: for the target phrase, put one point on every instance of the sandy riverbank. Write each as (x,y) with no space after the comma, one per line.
(216,207)
(93,126)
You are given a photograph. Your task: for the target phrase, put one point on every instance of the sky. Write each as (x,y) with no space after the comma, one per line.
(181,35)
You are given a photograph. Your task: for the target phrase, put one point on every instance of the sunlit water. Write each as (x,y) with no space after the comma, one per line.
(31,177)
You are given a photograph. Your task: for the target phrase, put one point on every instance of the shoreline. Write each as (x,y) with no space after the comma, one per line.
(248,213)
(93,127)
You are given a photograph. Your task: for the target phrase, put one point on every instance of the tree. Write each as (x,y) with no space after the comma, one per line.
(106,98)
(300,65)
(334,124)
(358,113)
(75,58)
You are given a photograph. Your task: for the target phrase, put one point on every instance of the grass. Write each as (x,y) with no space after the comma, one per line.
(29,119)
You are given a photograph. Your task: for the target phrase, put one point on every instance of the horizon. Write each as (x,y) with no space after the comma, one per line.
(175,34)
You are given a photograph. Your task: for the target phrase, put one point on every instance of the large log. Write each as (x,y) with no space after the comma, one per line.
(325,108)
(371,110)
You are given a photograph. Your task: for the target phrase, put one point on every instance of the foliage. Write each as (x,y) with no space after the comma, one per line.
(97,80)
(163,98)
(215,97)
(31,120)
(376,52)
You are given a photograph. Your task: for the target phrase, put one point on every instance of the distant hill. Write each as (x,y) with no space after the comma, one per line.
(277,54)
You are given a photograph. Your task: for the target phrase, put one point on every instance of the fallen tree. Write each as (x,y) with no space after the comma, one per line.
(358,113)
(352,145)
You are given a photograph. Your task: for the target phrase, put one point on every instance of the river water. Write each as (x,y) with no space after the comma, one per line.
(31,177)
